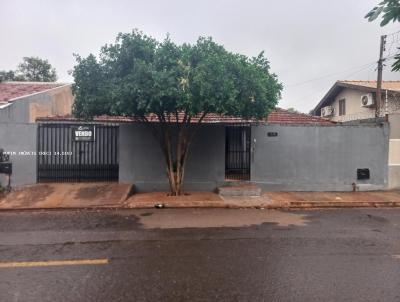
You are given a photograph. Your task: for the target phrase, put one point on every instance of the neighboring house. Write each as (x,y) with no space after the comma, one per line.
(21,103)
(352,101)
(355,100)
(24,102)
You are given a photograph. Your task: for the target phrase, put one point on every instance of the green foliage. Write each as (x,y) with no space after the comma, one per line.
(32,69)
(390,11)
(7,75)
(138,75)
(36,70)
(396,64)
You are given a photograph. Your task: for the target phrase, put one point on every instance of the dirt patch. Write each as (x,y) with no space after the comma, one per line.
(29,195)
(65,195)
(92,192)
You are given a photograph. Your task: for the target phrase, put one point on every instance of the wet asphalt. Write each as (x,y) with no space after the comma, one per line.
(316,255)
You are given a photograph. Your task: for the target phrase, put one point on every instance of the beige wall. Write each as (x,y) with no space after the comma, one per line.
(394,151)
(58,101)
(354,110)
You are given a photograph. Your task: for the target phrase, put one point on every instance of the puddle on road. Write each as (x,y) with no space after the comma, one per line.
(206,218)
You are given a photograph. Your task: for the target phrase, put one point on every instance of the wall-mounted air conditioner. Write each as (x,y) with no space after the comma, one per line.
(327,111)
(367,100)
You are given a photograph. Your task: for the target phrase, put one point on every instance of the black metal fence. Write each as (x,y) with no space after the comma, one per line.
(237,152)
(64,158)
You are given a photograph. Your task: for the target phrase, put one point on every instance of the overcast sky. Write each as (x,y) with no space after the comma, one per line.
(317,42)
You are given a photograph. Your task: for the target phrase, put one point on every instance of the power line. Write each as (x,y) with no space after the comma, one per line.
(328,75)
(311,95)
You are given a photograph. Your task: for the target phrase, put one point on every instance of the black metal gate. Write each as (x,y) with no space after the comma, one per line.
(237,152)
(62,157)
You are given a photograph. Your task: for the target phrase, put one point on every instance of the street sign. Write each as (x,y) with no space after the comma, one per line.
(83,133)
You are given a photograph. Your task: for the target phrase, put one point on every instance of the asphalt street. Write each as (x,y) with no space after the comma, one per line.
(200,255)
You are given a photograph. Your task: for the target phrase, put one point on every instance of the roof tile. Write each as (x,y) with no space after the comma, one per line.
(12,90)
(389,85)
(277,116)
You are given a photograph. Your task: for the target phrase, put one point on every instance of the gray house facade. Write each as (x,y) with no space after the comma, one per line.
(355,102)
(288,151)
(282,157)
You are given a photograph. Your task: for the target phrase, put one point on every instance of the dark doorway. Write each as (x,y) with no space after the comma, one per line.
(70,152)
(237,152)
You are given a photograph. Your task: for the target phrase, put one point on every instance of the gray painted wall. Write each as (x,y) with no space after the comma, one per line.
(18,112)
(307,158)
(319,158)
(300,158)
(20,138)
(142,163)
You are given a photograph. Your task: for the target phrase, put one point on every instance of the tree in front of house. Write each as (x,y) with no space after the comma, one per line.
(390,12)
(31,69)
(176,85)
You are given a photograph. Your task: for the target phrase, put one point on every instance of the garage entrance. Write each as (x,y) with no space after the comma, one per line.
(71,152)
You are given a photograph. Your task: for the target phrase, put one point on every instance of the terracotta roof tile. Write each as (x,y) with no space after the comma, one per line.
(389,85)
(278,116)
(12,90)
(282,116)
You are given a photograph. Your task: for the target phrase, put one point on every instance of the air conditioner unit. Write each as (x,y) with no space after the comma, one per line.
(367,100)
(327,111)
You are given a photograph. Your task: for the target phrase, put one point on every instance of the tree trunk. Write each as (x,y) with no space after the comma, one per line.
(175,151)
(175,154)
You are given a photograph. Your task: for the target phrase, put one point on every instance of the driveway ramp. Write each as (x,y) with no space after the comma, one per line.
(67,195)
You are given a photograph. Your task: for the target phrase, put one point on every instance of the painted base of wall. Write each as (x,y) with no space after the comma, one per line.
(164,186)
(265,186)
(307,187)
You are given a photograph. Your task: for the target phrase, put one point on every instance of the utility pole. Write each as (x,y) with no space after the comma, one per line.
(379,81)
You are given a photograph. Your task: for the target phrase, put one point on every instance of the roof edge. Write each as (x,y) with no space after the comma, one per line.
(345,84)
(39,92)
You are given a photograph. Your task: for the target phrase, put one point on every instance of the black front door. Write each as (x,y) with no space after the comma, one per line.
(237,152)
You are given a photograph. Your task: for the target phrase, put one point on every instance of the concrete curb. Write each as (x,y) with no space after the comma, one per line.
(352,204)
(282,205)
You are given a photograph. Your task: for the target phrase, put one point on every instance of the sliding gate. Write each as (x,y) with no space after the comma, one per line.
(70,152)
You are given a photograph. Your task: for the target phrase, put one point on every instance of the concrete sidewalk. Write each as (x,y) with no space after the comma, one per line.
(270,200)
(115,195)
